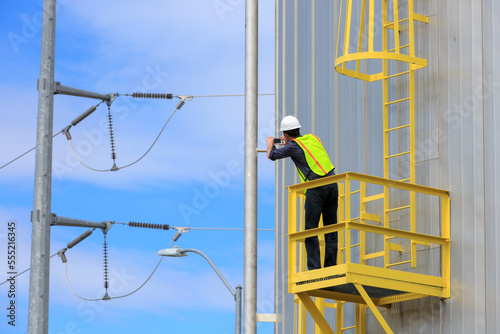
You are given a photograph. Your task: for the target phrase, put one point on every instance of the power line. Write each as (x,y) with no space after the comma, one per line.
(179,105)
(108,298)
(230,95)
(228,228)
(216,95)
(25,271)
(22,155)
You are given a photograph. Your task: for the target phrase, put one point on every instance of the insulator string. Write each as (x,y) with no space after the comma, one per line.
(106,275)
(148,225)
(112,139)
(152,96)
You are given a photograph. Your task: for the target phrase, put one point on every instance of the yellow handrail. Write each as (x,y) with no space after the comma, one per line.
(367,233)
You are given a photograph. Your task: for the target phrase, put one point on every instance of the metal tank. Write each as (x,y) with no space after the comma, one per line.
(456,146)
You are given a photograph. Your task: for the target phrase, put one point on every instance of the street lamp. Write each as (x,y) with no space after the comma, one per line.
(178,252)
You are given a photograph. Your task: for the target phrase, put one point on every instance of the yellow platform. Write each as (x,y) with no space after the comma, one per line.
(368,272)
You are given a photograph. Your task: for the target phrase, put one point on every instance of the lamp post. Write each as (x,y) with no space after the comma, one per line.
(178,252)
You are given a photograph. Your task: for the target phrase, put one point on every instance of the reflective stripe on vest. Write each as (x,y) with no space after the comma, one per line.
(316,157)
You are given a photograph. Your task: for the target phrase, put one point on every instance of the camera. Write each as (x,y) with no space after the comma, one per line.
(279,141)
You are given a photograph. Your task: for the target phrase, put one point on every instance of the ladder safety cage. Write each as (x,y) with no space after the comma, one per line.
(378,43)
(375,32)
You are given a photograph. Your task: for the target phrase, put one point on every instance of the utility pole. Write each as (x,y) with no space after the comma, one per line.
(41,218)
(250,193)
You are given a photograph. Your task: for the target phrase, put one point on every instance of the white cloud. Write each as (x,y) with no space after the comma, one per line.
(202,137)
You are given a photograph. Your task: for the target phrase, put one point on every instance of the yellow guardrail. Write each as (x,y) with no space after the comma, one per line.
(375,231)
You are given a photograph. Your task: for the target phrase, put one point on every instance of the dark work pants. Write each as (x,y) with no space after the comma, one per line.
(321,200)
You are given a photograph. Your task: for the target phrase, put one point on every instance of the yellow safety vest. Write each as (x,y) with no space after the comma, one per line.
(316,157)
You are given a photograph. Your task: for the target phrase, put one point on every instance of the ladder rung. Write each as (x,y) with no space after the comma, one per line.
(396,75)
(398,263)
(341,249)
(370,216)
(416,17)
(372,198)
(390,237)
(374,255)
(397,127)
(397,155)
(401,47)
(399,208)
(395,247)
(346,328)
(404,180)
(397,101)
(390,25)
(352,193)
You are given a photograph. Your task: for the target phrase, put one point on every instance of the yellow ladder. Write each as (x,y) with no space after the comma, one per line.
(401,52)
(396,106)
(348,62)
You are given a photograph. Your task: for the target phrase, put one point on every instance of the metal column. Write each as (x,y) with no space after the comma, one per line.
(38,313)
(250,200)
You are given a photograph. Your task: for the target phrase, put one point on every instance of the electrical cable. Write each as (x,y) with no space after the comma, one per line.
(106,272)
(229,228)
(136,161)
(81,162)
(26,270)
(156,96)
(22,155)
(149,149)
(128,294)
(73,123)
(109,298)
(169,96)
(185,229)
(228,95)
(69,285)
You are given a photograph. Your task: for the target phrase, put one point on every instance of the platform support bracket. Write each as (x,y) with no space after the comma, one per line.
(315,313)
(373,308)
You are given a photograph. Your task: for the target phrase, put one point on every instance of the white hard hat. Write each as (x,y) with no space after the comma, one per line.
(289,123)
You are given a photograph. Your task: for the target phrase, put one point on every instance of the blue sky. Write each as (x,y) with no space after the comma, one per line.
(193,177)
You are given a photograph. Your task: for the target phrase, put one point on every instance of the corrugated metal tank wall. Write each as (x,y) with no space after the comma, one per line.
(457,145)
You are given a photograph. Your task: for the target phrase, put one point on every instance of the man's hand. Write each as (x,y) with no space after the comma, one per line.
(270,144)
(270,141)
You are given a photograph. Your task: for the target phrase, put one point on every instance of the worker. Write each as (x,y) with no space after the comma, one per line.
(312,162)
